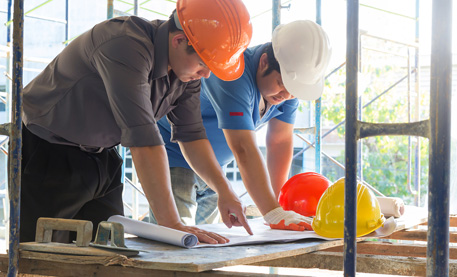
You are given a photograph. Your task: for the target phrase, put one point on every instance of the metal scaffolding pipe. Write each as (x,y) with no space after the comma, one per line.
(110,9)
(15,151)
(440,139)
(67,27)
(276,14)
(318,110)
(350,206)
(421,128)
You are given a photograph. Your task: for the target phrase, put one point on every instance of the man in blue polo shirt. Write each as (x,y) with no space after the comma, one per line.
(276,74)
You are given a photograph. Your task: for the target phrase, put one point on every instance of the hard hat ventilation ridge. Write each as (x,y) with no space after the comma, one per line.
(233,21)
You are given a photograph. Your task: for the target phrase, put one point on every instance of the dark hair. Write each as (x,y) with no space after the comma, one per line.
(173,28)
(272,62)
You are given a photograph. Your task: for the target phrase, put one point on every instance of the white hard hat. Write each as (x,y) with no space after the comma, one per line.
(303,52)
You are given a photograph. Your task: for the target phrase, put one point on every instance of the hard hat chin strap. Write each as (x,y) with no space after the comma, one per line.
(177,23)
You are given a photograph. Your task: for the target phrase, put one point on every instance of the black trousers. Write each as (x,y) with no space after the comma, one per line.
(61,181)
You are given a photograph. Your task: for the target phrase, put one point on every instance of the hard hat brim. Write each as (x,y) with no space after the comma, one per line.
(307,92)
(227,73)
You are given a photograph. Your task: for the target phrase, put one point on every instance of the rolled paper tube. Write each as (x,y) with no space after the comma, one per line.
(156,232)
(391,206)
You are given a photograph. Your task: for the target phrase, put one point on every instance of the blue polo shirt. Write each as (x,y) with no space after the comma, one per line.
(230,105)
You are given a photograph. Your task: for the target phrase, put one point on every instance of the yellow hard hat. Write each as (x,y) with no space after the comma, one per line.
(329,220)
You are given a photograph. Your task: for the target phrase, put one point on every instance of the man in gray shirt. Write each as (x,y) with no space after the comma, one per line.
(109,87)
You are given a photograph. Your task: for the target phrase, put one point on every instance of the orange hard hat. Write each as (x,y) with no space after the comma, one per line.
(302,192)
(219,31)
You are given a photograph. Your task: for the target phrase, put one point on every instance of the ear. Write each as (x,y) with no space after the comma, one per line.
(177,39)
(263,62)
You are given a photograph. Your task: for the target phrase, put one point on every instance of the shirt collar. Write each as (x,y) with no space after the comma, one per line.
(161,51)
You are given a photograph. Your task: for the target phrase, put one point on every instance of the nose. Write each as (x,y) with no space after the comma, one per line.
(205,72)
(285,95)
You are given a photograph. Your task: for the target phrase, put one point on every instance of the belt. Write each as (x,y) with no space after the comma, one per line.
(90,149)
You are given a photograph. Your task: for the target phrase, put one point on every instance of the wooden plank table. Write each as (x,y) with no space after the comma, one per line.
(167,260)
(402,253)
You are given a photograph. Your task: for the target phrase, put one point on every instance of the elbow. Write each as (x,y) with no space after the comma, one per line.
(243,153)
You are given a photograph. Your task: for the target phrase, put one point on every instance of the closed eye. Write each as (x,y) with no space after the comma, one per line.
(280,84)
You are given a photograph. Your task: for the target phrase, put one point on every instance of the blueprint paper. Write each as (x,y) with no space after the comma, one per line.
(237,235)
(262,234)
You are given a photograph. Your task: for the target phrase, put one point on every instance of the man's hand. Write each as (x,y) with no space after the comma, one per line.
(233,212)
(202,235)
(287,220)
(201,158)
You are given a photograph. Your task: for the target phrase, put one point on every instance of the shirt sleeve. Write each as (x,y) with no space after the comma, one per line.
(124,65)
(289,110)
(232,101)
(186,119)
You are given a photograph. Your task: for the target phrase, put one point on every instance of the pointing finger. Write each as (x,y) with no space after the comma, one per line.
(244,222)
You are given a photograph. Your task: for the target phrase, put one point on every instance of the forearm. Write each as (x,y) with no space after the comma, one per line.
(151,164)
(256,179)
(279,160)
(280,147)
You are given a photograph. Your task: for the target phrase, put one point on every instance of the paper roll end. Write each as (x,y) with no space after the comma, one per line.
(190,240)
(391,206)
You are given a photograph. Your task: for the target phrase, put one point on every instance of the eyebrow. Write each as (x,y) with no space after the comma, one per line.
(204,64)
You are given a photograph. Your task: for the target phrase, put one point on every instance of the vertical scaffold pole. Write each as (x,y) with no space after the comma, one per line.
(350,206)
(15,149)
(110,9)
(318,106)
(440,139)
(276,14)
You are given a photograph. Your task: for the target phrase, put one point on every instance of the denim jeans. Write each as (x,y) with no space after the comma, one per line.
(196,202)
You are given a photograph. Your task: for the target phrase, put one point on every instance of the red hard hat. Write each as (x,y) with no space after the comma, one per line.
(302,192)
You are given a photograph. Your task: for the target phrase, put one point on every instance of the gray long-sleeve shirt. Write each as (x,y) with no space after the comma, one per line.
(110,86)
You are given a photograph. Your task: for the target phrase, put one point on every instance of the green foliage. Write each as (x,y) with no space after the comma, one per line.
(385,159)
